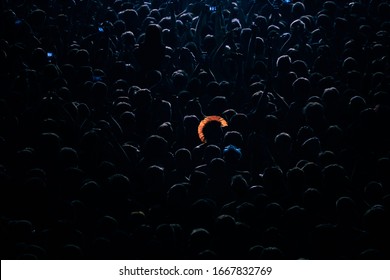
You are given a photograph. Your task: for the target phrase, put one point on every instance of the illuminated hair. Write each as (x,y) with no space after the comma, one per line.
(208,120)
(231,149)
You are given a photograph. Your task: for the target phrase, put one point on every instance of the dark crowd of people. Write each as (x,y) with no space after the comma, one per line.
(100,156)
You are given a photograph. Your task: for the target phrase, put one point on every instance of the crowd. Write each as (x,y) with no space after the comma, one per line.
(100,104)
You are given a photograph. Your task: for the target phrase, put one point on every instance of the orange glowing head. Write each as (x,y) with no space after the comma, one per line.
(207,120)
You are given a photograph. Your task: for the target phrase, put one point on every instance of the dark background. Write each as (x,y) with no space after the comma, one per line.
(100,103)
